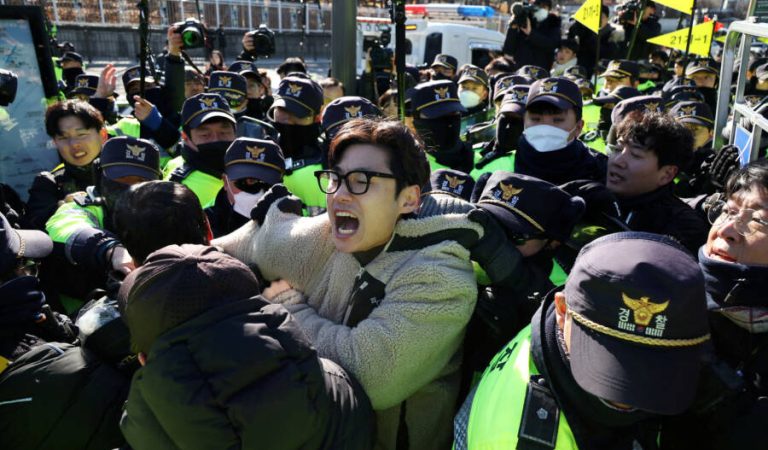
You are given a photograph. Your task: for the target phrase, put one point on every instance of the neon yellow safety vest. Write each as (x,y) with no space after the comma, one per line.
(205,186)
(590,113)
(497,403)
(68,219)
(303,184)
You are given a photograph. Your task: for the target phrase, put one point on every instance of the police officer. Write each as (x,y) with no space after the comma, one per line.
(620,72)
(295,114)
(443,67)
(704,72)
(233,88)
(607,101)
(498,154)
(84,247)
(437,119)
(259,97)
(84,87)
(251,167)
(71,68)
(694,179)
(622,345)
(537,217)
(485,131)
(340,111)
(209,129)
(549,149)
(473,94)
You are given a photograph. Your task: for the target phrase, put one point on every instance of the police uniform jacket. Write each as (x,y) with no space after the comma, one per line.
(503,413)
(396,323)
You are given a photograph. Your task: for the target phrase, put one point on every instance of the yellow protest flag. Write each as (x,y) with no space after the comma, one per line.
(589,15)
(685,6)
(701,38)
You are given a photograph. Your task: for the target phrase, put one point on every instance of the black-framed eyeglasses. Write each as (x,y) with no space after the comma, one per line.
(744,221)
(357,181)
(251,185)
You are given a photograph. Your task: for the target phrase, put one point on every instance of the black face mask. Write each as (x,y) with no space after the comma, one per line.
(255,108)
(508,131)
(111,191)
(211,155)
(293,138)
(71,74)
(441,134)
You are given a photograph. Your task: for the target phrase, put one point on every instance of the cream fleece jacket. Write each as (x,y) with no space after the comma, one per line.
(408,348)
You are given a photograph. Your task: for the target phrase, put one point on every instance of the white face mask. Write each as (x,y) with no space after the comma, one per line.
(469,99)
(546,138)
(540,15)
(244,202)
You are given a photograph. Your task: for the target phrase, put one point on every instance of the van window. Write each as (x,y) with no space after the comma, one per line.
(481,56)
(433,46)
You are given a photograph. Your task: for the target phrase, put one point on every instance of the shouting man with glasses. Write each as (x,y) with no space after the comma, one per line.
(650,151)
(383,293)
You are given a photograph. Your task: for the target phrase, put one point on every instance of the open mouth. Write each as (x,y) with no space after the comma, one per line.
(614,177)
(346,223)
(721,255)
(80,154)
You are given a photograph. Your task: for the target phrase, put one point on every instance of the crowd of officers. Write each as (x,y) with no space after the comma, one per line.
(563,265)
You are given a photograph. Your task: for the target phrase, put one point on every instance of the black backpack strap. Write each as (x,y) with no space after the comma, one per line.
(180,173)
(540,418)
(402,442)
(367,293)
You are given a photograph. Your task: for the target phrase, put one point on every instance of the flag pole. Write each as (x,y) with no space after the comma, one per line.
(690,32)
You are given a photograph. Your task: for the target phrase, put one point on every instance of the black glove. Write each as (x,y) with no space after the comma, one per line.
(599,200)
(499,258)
(277,193)
(21,302)
(723,165)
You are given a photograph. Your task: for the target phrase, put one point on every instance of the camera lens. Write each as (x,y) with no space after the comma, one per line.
(192,37)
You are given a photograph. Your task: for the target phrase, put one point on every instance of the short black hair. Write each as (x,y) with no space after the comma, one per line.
(407,159)
(154,214)
(753,175)
(90,116)
(670,140)
(501,64)
(292,64)
(548,108)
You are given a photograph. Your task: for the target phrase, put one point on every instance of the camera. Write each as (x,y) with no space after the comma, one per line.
(627,12)
(192,33)
(521,13)
(9,82)
(263,41)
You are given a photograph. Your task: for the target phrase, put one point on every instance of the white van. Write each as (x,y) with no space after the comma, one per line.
(425,39)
